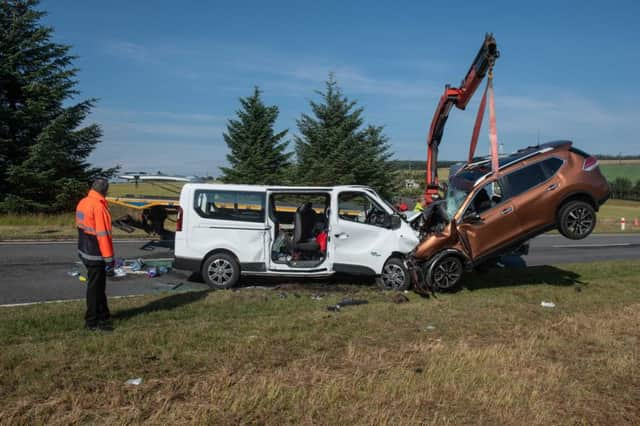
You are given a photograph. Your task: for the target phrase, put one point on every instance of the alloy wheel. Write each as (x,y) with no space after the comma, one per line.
(447,273)
(393,276)
(220,272)
(580,220)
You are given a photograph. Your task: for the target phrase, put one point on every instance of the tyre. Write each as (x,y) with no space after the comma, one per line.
(576,219)
(394,275)
(221,270)
(445,274)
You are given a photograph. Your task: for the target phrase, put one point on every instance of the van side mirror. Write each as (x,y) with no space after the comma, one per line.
(395,221)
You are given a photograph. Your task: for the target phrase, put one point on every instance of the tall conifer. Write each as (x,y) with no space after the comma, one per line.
(43,146)
(336,148)
(257,154)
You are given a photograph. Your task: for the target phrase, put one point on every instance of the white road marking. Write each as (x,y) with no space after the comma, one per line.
(591,245)
(12,305)
(40,243)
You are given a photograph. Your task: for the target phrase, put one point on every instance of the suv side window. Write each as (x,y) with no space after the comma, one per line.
(488,197)
(551,166)
(230,205)
(525,179)
(358,207)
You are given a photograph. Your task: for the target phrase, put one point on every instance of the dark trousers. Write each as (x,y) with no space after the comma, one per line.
(97,309)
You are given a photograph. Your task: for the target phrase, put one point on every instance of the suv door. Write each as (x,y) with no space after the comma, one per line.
(533,189)
(360,236)
(489,221)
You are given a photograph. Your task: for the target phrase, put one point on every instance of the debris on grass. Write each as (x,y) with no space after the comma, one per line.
(547,304)
(135,382)
(348,301)
(399,298)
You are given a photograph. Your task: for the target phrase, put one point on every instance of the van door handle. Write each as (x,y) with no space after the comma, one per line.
(341,235)
(507,210)
(552,187)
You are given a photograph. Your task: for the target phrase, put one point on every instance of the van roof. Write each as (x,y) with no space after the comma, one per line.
(260,188)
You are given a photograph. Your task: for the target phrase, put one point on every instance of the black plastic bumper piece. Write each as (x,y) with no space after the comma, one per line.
(187,264)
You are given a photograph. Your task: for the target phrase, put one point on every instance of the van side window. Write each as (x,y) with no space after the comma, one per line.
(525,178)
(358,207)
(230,205)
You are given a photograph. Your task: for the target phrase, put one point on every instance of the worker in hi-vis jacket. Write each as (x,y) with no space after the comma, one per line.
(95,248)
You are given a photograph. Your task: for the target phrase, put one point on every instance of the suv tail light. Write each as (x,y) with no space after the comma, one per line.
(590,163)
(179,220)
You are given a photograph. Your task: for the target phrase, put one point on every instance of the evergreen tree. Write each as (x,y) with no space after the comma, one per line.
(43,149)
(257,153)
(334,149)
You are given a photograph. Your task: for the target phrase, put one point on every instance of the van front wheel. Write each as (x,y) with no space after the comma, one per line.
(221,271)
(394,275)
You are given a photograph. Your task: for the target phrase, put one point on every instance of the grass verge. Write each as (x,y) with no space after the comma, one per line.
(489,354)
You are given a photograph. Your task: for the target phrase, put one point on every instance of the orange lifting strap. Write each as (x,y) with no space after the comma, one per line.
(493,130)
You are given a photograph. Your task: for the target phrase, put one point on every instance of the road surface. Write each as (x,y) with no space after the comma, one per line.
(38,271)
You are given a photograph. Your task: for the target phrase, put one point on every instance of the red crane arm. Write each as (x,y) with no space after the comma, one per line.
(460,97)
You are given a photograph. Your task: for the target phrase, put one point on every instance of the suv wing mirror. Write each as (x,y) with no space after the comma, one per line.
(472,218)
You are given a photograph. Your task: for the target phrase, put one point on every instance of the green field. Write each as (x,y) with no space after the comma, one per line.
(489,354)
(162,189)
(613,171)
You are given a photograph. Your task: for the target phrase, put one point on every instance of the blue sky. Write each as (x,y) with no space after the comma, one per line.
(168,74)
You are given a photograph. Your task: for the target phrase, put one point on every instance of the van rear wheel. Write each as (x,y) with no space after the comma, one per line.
(394,276)
(220,271)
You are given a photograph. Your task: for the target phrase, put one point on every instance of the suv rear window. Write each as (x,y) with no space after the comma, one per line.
(230,205)
(551,166)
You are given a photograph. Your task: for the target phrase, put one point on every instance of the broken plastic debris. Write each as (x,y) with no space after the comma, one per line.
(430,327)
(152,272)
(81,278)
(547,304)
(73,273)
(399,298)
(119,273)
(137,381)
(348,301)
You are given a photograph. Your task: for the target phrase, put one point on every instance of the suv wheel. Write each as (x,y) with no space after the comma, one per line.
(576,220)
(394,275)
(221,271)
(445,274)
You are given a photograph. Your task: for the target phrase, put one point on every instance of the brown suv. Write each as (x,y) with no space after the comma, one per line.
(538,188)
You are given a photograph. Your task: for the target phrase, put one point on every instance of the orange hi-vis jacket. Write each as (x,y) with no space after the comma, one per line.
(93,220)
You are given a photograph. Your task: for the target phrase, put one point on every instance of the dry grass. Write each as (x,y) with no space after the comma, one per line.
(489,355)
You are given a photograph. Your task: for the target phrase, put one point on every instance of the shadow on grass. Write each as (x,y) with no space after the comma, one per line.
(165,304)
(550,275)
